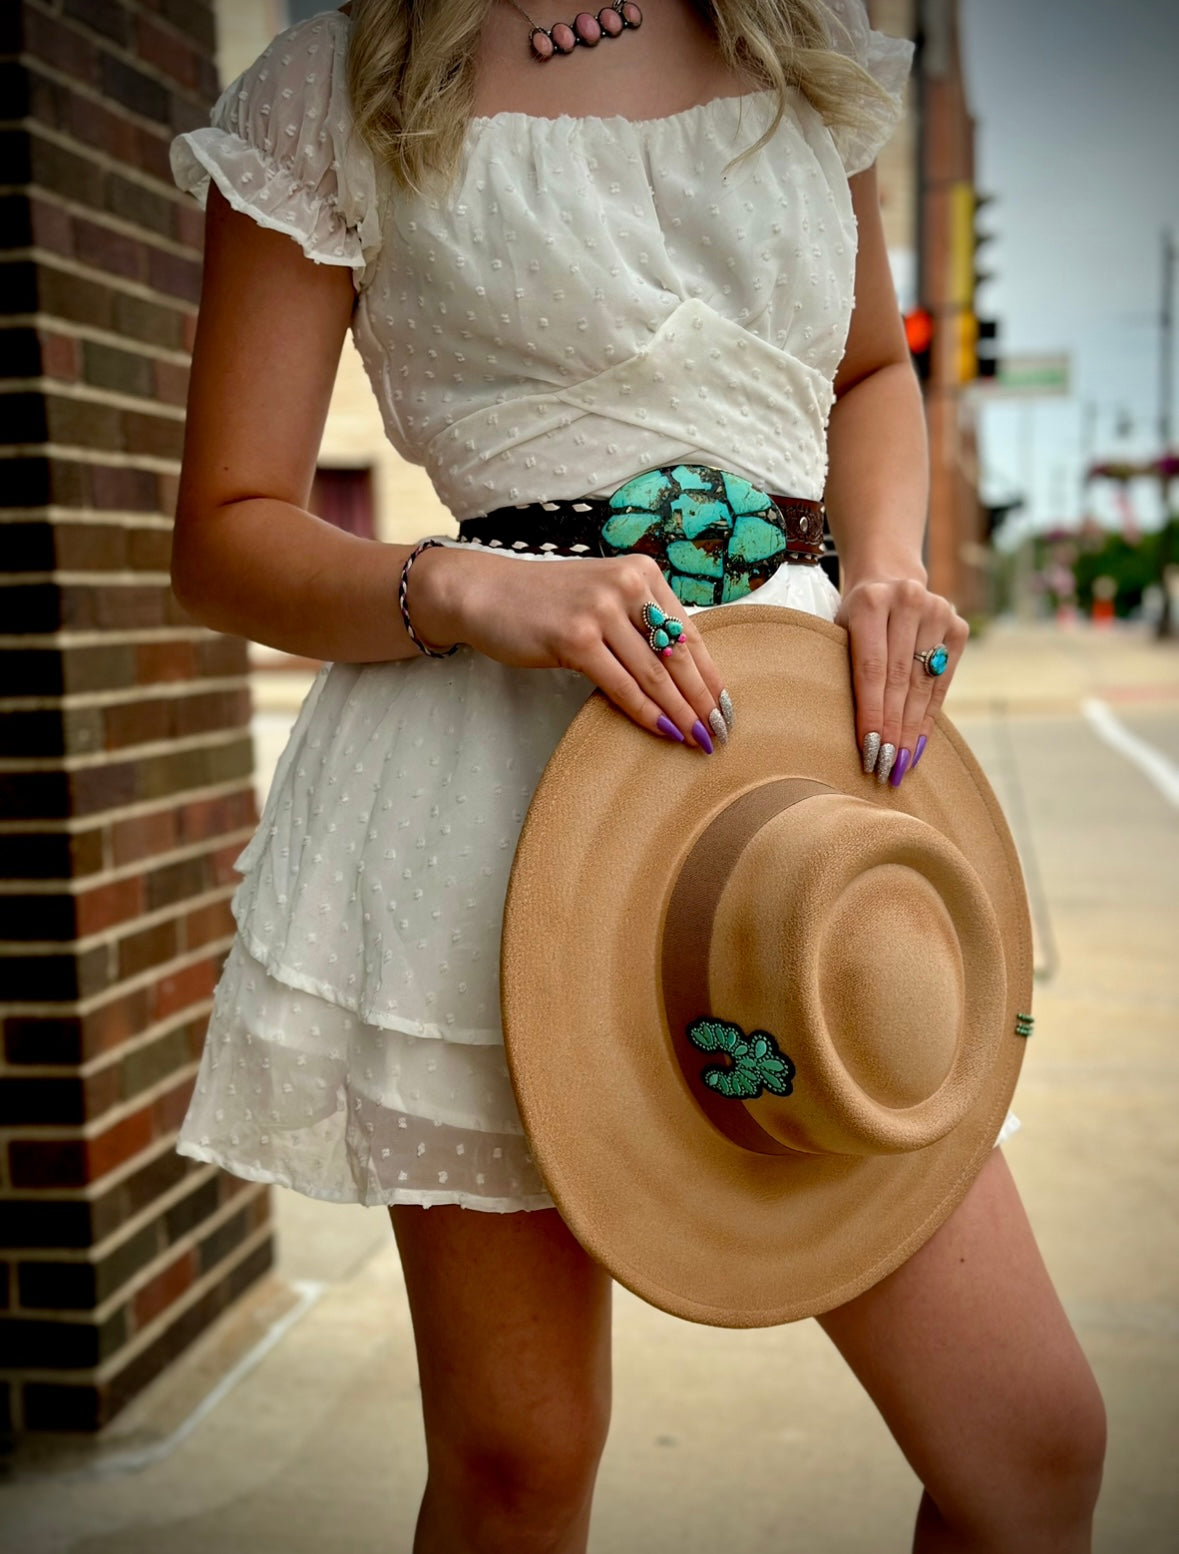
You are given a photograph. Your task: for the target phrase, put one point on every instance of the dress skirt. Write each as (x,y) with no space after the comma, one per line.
(354,1048)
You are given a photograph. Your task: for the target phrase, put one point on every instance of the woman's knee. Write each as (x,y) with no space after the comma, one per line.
(525,1481)
(1041,1478)
(1064,1449)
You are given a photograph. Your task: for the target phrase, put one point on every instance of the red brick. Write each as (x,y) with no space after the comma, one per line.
(155,945)
(76,1162)
(67,170)
(164,661)
(212,921)
(61,46)
(119,1144)
(212,817)
(174,276)
(169,53)
(153,321)
(171,382)
(168,1110)
(136,722)
(204,714)
(96,547)
(178,881)
(110,1024)
(59,357)
(134,490)
(151,153)
(222,860)
(160,437)
(108,17)
(179,989)
(190,225)
(115,902)
(95,125)
(149,550)
(52,227)
(62,294)
(188,329)
(163,1291)
(102,1091)
(112,252)
(142,836)
(122,606)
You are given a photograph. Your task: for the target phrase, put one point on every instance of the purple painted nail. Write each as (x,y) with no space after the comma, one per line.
(666,726)
(921,744)
(702,737)
(902,766)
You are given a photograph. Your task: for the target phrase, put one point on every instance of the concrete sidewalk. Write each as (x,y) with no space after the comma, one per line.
(758,1441)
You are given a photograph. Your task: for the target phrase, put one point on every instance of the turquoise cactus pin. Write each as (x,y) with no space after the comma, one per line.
(757,1063)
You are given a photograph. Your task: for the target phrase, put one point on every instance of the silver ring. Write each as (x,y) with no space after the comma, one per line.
(934,660)
(664,631)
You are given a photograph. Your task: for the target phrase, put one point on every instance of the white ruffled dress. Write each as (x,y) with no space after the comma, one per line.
(594,297)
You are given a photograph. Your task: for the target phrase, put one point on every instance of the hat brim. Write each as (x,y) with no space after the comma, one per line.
(678,1213)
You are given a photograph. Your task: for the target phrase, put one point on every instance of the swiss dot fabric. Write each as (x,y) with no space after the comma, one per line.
(593,298)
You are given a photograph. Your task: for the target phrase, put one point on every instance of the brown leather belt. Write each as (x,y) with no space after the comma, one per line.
(574,528)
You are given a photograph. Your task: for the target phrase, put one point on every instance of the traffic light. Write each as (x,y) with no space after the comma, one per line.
(974,347)
(919,334)
(987,347)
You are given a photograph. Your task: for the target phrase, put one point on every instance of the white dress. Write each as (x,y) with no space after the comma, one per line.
(594,297)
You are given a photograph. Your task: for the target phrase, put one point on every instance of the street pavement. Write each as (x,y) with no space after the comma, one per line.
(294,1426)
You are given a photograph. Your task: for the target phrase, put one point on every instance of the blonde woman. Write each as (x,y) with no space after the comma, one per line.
(571,249)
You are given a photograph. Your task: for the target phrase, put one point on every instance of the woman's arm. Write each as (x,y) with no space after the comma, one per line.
(877,496)
(247,556)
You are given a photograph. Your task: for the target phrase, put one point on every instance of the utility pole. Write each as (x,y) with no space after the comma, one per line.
(1166,625)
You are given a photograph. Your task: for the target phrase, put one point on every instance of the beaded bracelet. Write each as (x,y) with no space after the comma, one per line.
(402,589)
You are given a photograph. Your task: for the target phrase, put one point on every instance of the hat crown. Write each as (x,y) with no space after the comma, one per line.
(855,937)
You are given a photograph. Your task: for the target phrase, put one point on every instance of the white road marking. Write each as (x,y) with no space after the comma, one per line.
(1151,762)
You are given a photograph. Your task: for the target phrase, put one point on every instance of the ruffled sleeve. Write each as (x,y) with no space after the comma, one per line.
(888,61)
(281,147)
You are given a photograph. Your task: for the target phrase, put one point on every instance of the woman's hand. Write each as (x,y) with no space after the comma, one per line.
(584,614)
(888,621)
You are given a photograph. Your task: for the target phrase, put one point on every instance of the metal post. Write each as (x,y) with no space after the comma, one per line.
(1166,625)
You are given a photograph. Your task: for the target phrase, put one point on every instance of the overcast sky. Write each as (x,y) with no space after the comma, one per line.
(1077,106)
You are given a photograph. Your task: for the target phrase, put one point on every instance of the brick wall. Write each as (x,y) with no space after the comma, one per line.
(125,754)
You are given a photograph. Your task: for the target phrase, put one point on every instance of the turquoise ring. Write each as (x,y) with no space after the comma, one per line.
(663,630)
(936,660)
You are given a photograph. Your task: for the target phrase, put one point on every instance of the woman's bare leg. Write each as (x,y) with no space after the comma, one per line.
(969,1356)
(512,1326)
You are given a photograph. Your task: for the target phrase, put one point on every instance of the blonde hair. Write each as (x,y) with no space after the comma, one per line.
(411,72)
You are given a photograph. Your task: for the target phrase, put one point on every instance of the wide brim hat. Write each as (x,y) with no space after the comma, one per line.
(763,1015)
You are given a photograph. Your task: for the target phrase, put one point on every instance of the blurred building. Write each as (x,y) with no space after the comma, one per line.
(930,202)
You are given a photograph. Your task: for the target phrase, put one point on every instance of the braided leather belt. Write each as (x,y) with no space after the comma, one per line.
(715,536)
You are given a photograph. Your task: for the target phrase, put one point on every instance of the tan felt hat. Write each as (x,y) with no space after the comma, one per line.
(763,1015)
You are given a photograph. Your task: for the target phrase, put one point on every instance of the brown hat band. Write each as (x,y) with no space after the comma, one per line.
(885,1061)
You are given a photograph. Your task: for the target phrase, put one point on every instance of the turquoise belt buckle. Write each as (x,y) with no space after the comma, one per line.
(715,536)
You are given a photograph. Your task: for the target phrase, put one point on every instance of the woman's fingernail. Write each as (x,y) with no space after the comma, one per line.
(921,744)
(666,726)
(725,702)
(718,726)
(700,735)
(902,766)
(871,751)
(888,754)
